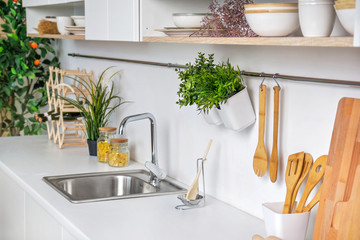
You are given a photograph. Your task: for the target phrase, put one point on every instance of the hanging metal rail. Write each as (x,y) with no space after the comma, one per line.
(245,73)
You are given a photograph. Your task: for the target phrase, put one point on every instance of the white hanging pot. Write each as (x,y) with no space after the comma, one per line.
(237,113)
(212,117)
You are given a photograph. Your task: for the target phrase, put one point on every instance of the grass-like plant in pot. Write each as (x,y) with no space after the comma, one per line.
(214,89)
(96,103)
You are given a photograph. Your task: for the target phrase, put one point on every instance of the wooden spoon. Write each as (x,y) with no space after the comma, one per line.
(274,153)
(316,174)
(293,172)
(192,192)
(260,161)
(308,161)
(314,201)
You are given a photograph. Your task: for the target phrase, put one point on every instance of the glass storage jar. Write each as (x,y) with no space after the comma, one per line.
(103,143)
(119,154)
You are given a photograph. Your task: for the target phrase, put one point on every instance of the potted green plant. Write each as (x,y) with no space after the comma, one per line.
(96,103)
(24,71)
(216,89)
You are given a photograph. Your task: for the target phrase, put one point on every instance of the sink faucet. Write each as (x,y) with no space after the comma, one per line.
(156,173)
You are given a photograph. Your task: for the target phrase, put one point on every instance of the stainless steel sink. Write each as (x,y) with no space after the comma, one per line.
(91,187)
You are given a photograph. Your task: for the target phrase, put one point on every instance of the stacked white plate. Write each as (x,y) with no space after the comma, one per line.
(75,30)
(272,19)
(345,10)
(317,17)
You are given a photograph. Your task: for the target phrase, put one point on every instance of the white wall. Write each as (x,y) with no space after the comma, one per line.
(306,121)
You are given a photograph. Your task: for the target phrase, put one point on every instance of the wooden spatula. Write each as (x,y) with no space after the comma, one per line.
(260,161)
(274,153)
(292,175)
(308,161)
(317,172)
(192,192)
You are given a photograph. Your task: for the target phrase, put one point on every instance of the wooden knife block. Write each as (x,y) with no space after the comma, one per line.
(338,214)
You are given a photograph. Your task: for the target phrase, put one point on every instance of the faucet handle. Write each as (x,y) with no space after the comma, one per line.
(158,172)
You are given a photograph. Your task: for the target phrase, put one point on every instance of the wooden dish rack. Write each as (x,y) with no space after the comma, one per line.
(64,132)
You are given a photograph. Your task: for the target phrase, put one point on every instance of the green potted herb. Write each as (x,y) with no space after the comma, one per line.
(218,91)
(96,103)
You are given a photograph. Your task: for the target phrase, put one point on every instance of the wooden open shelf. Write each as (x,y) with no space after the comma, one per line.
(264,41)
(58,36)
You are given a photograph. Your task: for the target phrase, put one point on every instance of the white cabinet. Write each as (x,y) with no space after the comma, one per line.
(115,20)
(33,3)
(22,218)
(12,211)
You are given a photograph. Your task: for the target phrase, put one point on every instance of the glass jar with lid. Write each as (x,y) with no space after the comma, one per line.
(119,154)
(103,143)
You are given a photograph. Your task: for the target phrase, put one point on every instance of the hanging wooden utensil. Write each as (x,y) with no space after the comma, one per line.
(317,172)
(293,173)
(308,161)
(274,153)
(260,161)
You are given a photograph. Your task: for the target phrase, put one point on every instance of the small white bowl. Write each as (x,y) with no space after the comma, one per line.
(347,19)
(266,6)
(79,20)
(188,20)
(272,23)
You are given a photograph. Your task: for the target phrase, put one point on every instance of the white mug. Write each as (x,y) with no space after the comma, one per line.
(62,22)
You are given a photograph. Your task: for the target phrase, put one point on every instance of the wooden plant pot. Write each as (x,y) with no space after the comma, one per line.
(237,113)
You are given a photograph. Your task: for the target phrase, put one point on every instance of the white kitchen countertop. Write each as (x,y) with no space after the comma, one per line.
(27,159)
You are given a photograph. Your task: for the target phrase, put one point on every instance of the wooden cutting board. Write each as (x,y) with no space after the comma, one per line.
(338,214)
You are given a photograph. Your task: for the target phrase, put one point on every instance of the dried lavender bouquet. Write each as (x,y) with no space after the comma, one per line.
(227,20)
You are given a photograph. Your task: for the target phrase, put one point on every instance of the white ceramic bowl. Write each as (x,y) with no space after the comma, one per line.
(347,19)
(188,20)
(273,24)
(266,6)
(316,19)
(79,20)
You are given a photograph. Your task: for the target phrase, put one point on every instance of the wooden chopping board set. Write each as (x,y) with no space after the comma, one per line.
(338,214)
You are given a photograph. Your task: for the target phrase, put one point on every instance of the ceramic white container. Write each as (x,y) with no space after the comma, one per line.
(347,19)
(188,20)
(62,22)
(273,24)
(212,117)
(285,226)
(317,18)
(79,20)
(273,6)
(237,113)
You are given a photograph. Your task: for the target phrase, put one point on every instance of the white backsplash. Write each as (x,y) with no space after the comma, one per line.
(307,110)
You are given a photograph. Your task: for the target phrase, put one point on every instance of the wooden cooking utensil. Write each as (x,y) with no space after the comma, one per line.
(292,174)
(339,180)
(257,237)
(260,161)
(308,161)
(313,202)
(317,172)
(274,153)
(192,192)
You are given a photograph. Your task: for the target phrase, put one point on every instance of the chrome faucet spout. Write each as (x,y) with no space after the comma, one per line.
(137,117)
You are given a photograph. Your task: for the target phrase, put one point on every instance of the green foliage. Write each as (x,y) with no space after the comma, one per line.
(207,84)
(22,83)
(95,102)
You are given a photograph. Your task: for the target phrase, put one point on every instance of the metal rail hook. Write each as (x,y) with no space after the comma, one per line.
(274,78)
(262,75)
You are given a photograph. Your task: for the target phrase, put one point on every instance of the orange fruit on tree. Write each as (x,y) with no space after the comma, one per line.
(36,62)
(34,45)
(15,0)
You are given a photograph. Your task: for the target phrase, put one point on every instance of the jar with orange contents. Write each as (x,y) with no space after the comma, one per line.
(103,143)
(119,154)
